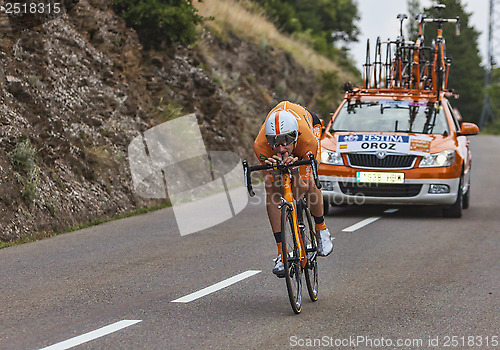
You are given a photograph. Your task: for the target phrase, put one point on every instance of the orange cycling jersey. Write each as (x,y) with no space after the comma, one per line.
(307,142)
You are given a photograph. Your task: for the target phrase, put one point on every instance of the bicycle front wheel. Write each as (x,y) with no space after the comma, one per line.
(311,244)
(291,260)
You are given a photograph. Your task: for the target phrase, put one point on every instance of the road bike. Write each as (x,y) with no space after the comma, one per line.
(298,237)
(422,65)
(441,62)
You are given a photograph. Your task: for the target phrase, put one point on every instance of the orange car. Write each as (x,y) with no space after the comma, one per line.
(386,146)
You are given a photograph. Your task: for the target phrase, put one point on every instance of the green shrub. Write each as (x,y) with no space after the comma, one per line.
(23,156)
(160,23)
(169,110)
(29,190)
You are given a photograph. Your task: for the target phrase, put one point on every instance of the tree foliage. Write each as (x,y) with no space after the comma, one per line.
(494,94)
(323,21)
(414,9)
(160,22)
(467,74)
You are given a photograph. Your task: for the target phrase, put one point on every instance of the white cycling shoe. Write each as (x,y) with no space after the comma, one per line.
(325,244)
(279,267)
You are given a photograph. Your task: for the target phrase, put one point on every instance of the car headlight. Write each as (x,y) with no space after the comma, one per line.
(330,157)
(445,158)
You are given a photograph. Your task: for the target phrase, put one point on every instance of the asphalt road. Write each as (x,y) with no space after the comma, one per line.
(408,280)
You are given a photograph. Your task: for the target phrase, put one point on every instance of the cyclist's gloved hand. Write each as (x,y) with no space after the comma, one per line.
(285,159)
(290,160)
(272,160)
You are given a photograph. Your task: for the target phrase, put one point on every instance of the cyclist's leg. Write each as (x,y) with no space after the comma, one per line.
(314,195)
(273,199)
(314,198)
(315,202)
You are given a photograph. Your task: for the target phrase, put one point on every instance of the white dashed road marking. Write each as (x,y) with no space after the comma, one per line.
(216,287)
(367,221)
(361,224)
(101,332)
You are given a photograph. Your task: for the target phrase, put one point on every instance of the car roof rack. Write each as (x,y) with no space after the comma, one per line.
(409,68)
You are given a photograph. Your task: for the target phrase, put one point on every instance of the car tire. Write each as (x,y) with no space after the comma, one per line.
(455,210)
(466,199)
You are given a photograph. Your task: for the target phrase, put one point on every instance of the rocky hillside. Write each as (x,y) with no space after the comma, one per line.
(76,90)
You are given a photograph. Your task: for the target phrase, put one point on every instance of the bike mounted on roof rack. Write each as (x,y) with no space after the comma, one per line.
(415,67)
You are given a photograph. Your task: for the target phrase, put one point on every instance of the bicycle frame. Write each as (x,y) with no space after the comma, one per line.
(288,199)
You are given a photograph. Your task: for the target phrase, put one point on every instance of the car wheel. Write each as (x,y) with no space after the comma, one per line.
(466,199)
(455,210)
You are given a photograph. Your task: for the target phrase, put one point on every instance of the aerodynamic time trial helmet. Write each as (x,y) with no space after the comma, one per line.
(281,129)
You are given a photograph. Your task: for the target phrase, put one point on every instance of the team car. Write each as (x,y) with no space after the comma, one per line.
(399,144)
(388,148)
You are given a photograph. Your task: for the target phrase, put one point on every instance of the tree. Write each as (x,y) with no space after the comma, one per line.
(494,93)
(323,21)
(414,9)
(466,74)
(160,22)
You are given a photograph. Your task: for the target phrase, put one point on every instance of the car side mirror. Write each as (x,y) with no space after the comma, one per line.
(323,127)
(468,129)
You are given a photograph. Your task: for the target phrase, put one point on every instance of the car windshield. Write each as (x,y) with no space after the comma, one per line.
(391,116)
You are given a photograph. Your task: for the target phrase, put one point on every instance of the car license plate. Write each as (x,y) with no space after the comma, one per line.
(383,178)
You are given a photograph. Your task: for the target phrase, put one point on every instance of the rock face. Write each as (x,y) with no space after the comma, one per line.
(76,90)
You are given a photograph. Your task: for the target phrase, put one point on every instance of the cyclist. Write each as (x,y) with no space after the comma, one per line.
(290,133)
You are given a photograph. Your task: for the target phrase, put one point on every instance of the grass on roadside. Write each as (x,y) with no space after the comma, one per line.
(42,235)
(246,21)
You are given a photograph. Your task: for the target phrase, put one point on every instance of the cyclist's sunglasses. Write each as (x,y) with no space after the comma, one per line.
(281,140)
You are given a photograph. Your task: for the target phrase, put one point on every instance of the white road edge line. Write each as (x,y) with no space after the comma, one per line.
(390,211)
(361,224)
(92,335)
(216,287)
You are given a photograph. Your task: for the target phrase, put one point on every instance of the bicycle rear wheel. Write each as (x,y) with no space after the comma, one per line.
(291,260)
(310,242)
